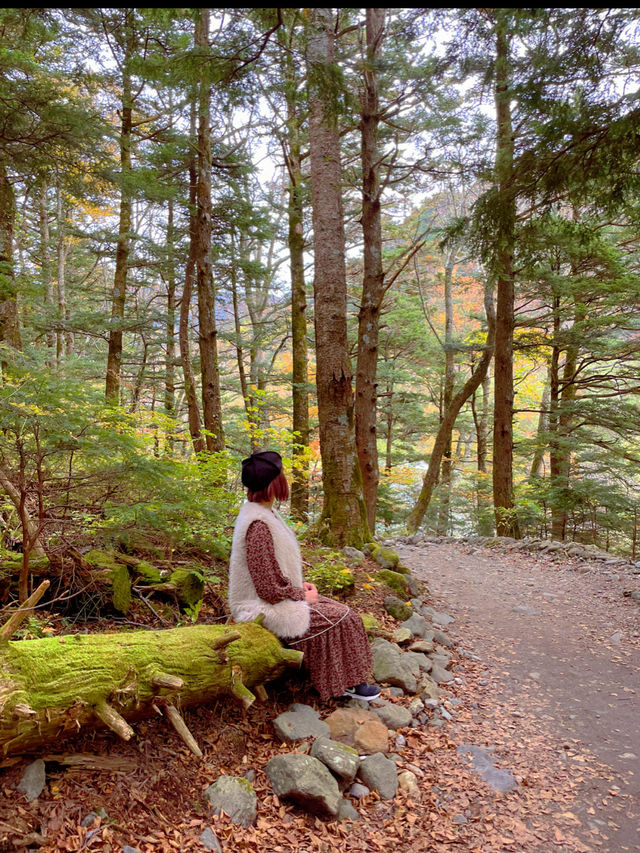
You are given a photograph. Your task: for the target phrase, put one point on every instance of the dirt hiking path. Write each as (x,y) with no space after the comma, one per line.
(555,693)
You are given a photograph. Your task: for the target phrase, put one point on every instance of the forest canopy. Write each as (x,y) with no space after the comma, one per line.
(399,246)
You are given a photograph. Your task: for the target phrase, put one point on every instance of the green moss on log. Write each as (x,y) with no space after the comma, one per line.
(116,574)
(61,680)
(121,585)
(189,585)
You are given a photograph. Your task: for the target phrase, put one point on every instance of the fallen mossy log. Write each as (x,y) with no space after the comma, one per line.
(54,687)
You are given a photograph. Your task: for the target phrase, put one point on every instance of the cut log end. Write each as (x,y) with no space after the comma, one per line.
(111,718)
(170,682)
(238,689)
(182,729)
(23,711)
(292,658)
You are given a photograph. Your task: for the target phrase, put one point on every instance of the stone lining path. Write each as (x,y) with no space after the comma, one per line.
(559,647)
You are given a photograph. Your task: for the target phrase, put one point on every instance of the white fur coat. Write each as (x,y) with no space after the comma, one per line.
(286,618)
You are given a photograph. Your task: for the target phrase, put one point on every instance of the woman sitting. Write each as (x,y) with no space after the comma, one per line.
(265,577)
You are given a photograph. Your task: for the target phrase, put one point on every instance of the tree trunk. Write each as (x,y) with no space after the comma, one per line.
(170,364)
(343,519)
(557,517)
(193,412)
(45,265)
(64,333)
(236,319)
(390,421)
(373,279)
(563,427)
(299,370)
(448,421)
(9,325)
(447,396)
(119,296)
(57,686)
(481,421)
(503,501)
(208,332)
(542,442)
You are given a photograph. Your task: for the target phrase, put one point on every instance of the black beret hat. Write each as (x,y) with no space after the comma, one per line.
(260,469)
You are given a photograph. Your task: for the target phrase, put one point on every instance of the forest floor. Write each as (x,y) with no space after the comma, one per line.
(554,695)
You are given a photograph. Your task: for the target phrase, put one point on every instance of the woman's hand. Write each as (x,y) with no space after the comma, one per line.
(310,593)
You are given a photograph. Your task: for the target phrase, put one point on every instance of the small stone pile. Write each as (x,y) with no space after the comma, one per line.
(355,749)
(552,547)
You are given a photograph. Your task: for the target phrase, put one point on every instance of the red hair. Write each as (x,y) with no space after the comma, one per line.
(277,489)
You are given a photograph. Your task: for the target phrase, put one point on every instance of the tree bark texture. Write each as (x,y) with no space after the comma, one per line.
(170,363)
(481,423)
(560,446)
(343,519)
(193,411)
(64,335)
(54,687)
(208,337)
(447,396)
(119,296)
(443,438)
(45,264)
(299,369)
(373,287)
(9,325)
(503,501)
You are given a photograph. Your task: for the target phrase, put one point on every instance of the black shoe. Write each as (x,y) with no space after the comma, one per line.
(365,692)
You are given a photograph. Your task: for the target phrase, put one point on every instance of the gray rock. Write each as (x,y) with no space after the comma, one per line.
(390,668)
(358,790)
(440,675)
(209,840)
(413,585)
(299,722)
(128,849)
(482,763)
(424,646)
(420,660)
(89,819)
(417,624)
(401,741)
(306,781)
(429,689)
(381,774)
(346,811)
(397,608)
(636,595)
(341,759)
(416,706)
(442,638)
(234,795)
(353,554)
(396,692)
(408,782)
(402,635)
(525,610)
(33,780)
(393,716)
(442,619)
(442,661)
(459,819)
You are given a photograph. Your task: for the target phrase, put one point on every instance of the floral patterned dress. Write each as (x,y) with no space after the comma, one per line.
(336,647)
